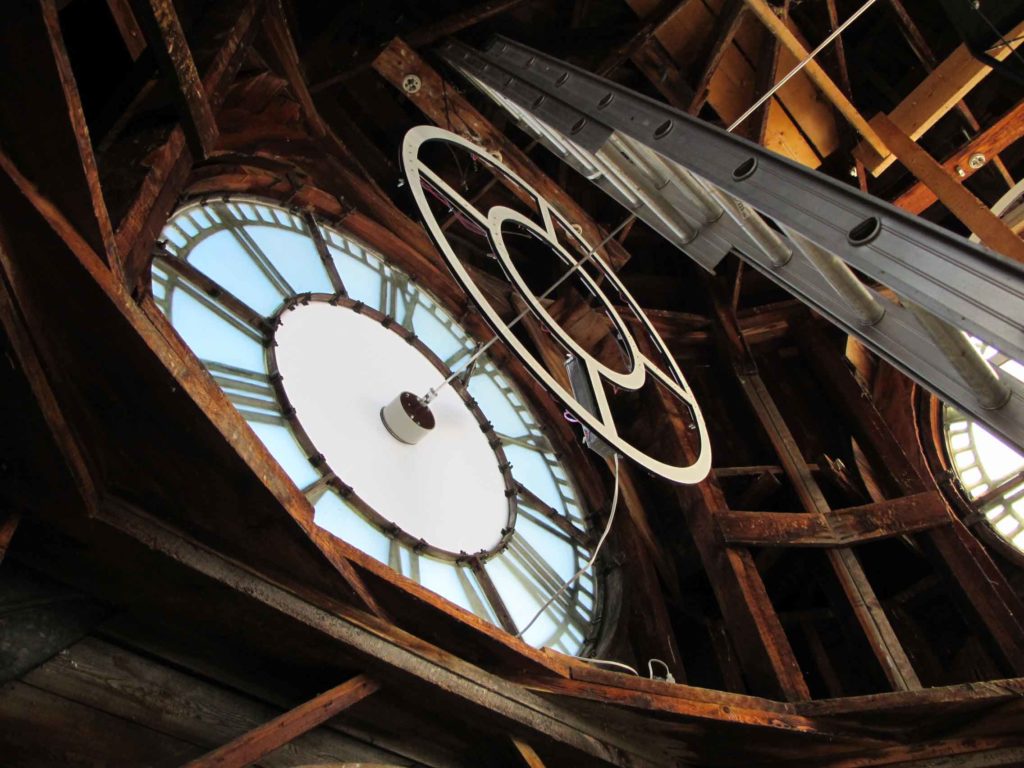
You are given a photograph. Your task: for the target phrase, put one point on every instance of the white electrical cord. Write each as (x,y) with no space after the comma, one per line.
(668,672)
(590,562)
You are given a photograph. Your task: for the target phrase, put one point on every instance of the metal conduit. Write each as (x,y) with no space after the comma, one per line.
(992,393)
(866,306)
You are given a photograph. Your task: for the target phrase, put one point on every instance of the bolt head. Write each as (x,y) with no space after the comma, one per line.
(976,161)
(411,84)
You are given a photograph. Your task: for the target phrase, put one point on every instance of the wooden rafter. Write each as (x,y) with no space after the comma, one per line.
(166,38)
(988,143)
(990,229)
(726,26)
(253,746)
(926,56)
(938,93)
(972,572)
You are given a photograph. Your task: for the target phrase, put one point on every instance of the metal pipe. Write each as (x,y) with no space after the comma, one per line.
(992,393)
(767,239)
(807,60)
(863,302)
(668,172)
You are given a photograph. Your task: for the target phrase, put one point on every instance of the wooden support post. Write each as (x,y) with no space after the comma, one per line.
(147,213)
(994,139)
(863,601)
(938,93)
(982,584)
(260,742)
(652,25)
(170,48)
(124,18)
(991,230)
(815,71)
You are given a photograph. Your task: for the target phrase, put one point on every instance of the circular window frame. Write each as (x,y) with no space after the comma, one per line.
(608,580)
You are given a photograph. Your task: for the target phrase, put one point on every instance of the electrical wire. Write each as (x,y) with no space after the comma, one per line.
(590,562)
(668,672)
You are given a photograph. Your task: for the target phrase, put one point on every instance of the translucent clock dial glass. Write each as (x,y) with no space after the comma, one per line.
(990,470)
(309,334)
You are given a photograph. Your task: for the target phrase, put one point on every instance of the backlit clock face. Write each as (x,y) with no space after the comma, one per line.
(310,335)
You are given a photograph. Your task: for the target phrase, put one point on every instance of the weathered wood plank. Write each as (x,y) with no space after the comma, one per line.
(43,124)
(994,139)
(726,25)
(844,527)
(397,655)
(984,587)
(167,41)
(938,93)
(8,525)
(128,26)
(990,229)
(259,742)
(529,755)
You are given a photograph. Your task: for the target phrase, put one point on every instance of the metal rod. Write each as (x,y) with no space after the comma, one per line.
(992,393)
(866,306)
(792,73)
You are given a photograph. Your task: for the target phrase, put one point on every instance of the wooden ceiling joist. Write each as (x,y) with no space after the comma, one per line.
(832,92)
(938,93)
(167,41)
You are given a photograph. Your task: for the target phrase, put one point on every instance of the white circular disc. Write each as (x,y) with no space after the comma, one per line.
(339,369)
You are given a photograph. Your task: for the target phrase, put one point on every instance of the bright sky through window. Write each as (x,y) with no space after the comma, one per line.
(489,518)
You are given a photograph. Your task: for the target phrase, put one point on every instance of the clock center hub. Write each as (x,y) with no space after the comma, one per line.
(339,366)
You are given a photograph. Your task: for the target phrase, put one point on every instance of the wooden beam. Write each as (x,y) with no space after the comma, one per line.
(260,742)
(926,56)
(844,527)
(128,26)
(399,657)
(43,125)
(814,70)
(171,50)
(655,63)
(726,25)
(862,600)
(149,210)
(994,139)
(990,229)
(652,25)
(17,321)
(442,104)
(970,568)
(938,93)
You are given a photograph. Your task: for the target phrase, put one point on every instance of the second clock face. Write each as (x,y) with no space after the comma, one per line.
(309,335)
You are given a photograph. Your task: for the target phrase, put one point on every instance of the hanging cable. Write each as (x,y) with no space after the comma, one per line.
(593,557)
(668,672)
